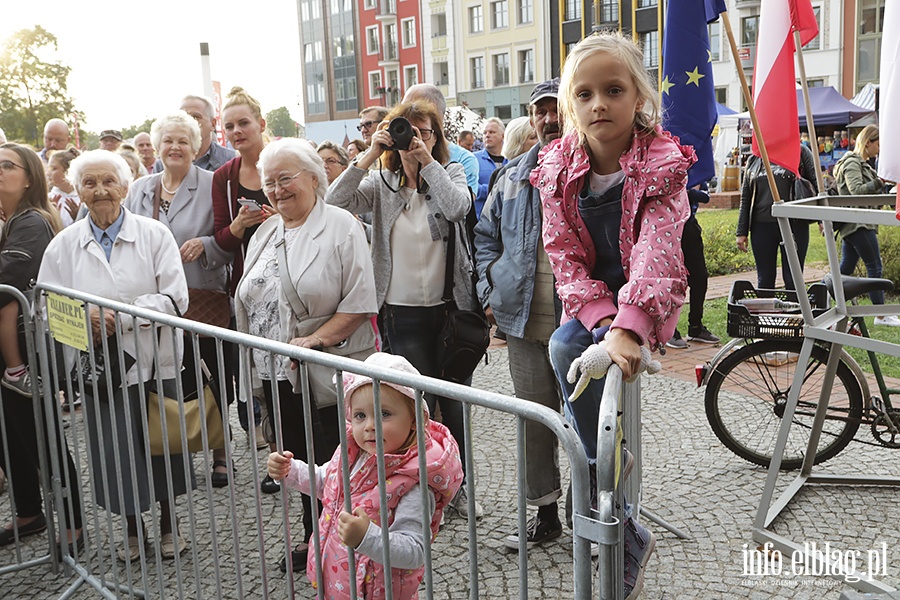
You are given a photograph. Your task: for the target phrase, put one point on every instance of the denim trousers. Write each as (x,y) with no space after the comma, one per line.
(765,239)
(566,344)
(534,380)
(412,332)
(863,243)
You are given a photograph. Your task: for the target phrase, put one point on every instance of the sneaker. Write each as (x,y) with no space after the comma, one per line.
(269,486)
(704,336)
(536,532)
(639,544)
(889,321)
(22,385)
(677,342)
(460,504)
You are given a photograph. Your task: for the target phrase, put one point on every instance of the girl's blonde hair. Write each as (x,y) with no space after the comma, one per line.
(622,48)
(868,133)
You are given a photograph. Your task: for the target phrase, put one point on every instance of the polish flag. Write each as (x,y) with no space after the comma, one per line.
(889,99)
(774,84)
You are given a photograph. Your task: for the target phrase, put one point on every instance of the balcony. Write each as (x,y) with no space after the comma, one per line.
(389,56)
(386,10)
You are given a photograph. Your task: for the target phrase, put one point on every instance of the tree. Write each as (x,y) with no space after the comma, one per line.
(281,124)
(130,132)
(32,90)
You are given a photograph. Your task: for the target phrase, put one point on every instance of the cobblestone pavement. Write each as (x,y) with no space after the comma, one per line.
(689,480)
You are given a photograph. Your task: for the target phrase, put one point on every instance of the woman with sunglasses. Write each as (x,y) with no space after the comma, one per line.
(415,201)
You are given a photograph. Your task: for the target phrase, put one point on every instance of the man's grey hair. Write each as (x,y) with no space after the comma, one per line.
(496,121)
(428,92)
(207,103)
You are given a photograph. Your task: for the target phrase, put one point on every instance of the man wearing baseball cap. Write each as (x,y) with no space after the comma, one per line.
(110,139)
(509,256)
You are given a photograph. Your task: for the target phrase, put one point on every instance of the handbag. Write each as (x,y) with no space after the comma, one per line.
(94,373)
(194,417)
(359,345)
(465,337)
(212,307)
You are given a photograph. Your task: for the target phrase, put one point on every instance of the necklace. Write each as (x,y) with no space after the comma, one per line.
(167,190)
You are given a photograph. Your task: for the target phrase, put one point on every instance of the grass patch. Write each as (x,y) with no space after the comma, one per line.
(715,317)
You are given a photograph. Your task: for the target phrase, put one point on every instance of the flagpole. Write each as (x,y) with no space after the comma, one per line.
(810,125)
(763,154)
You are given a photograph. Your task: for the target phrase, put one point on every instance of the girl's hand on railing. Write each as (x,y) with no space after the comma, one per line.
(595,361)
(279,465)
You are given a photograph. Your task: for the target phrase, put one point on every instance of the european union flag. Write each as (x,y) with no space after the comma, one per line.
(688,93)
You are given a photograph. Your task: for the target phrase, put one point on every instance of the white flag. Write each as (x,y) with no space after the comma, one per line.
(889,100)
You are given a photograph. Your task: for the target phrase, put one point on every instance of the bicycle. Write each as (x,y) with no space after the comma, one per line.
(749,380)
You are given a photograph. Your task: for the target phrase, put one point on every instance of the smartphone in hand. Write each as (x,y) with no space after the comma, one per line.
(250,204)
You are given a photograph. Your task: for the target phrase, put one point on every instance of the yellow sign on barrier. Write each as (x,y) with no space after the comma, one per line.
(65,317)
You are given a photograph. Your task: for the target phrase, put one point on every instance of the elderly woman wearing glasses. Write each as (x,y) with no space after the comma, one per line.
(335,158)
(307,280)
(414,202)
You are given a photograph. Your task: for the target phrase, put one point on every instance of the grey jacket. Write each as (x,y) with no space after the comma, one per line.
(506,244)
(448,200)
(190,216)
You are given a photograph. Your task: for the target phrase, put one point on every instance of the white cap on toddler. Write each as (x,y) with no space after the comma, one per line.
(353,381)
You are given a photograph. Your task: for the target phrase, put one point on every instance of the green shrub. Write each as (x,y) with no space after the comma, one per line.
(722,254)
(889,241)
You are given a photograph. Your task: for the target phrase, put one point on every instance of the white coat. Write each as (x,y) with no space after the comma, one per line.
(144,270)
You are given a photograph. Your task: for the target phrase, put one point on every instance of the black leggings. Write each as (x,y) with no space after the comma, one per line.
(326,436)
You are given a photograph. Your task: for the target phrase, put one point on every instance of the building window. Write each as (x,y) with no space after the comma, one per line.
(477,71)
(722,95)
(646,3)
(409,32)
(438,25)
(526,66)
(503,112)
(476,19)
(411,76)
(816,42)
(369,4)
(749,30)
(526,11)
(441,73)
(815,83)
(715,40)
(372,41)
(501,69)
(609,10)
(650,46)
(499,14)
(573,10)
(390,42)
(374,84)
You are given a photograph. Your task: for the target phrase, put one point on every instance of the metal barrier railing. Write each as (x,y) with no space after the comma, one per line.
(234,533)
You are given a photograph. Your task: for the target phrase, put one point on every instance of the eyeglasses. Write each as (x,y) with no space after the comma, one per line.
(366,125)
(426,134)
(332,161)
(7,166)
(285,181)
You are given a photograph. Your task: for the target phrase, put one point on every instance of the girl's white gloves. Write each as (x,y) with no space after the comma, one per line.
(594,362)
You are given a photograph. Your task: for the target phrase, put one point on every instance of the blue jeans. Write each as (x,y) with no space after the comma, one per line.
(412,332)
(765,239)
(566,344)
(863,243)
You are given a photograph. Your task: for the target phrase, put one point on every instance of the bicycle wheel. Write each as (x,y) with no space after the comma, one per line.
(748,391)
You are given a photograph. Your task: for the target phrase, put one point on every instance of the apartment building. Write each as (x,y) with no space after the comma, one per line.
(501,53)
(391,60)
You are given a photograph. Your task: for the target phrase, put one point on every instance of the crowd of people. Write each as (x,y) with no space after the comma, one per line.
(584,233)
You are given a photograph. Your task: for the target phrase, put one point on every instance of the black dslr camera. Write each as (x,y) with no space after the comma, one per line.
(401,132)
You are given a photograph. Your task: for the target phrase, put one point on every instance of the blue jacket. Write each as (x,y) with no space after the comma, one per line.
(506,244)
(486,167)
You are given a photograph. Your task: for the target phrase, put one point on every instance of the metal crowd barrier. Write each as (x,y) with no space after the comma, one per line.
(235,537)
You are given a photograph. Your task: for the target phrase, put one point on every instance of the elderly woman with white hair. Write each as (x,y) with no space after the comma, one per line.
(520,137)
(308,280)
(122,256)
(180,197)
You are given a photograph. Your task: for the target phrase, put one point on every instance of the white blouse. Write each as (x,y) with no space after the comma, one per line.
(418,256)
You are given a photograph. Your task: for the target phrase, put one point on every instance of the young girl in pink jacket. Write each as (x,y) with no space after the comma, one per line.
(359,529)
(614,205)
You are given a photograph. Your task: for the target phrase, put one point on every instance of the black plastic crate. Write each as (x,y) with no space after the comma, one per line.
(743,324)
